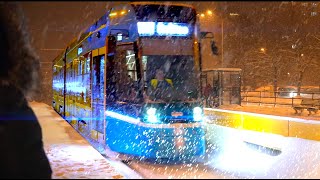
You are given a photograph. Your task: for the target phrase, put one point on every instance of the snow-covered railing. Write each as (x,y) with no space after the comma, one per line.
(285,98)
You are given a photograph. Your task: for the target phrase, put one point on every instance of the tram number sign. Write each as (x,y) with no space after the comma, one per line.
(176,114)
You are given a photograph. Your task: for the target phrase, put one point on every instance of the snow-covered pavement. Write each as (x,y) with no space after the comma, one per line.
(70,155)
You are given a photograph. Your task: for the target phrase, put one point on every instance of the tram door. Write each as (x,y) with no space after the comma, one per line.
(98,66)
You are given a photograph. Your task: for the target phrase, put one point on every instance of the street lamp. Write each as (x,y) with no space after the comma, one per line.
(263,50)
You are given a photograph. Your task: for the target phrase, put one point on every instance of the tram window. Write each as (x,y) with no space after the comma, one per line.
(87,64)
(82,64)
(144,64)
(127,83)
(131,64)
(180,70)
(71,70)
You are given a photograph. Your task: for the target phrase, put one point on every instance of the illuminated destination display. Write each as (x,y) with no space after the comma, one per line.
(146,28)
(172,29)
(163,29)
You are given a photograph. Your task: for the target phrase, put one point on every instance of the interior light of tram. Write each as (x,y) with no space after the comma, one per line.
(172,29)
(146,28)
(162,28)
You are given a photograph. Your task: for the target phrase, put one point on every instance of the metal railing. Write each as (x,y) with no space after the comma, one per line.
(283,98)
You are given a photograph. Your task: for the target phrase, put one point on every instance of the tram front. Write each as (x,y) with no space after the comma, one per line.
(172,82)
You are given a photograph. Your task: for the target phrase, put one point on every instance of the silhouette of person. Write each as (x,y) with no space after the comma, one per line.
(21,154)
(160,81)
(159,86)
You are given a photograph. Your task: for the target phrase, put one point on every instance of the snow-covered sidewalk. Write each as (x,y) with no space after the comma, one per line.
(70,155)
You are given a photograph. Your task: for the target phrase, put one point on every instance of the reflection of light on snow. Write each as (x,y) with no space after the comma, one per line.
(285,118)
(264,139)
(241,158)
(238,157)
(77,152)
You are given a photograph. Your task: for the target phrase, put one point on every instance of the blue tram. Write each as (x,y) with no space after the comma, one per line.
(105,83)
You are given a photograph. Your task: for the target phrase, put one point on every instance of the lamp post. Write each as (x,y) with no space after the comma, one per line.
(210,13)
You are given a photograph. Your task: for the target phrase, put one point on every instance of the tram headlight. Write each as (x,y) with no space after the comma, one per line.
(152,116)
(197,114)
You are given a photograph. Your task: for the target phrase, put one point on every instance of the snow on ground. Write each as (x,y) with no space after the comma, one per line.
(73,157)
(298,159)
(70,155)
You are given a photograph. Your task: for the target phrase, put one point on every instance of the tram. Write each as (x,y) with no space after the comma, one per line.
(104,82)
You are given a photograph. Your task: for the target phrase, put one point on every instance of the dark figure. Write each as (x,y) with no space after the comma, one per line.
(208,94)
(21,148)
(160,86)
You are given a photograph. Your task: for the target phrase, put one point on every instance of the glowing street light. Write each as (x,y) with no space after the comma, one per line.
(263,50)
(202,15)
(209,12)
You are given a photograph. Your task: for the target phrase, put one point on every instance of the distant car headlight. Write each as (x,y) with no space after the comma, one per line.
(292,94)
(197,114)
(152,116)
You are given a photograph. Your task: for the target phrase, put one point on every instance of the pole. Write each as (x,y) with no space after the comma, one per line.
(222,37)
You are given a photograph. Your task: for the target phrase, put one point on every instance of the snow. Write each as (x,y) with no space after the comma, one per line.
(73,157)
(229,157)
(298,158)
(70,155)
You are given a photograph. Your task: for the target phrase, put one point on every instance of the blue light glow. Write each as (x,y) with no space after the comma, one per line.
(146,28)
(122,117)
(172,29)
(197,114)
(152,118)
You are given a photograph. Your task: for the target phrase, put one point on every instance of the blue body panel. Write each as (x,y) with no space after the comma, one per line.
(152,142)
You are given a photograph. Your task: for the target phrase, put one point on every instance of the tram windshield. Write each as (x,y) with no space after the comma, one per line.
(170,78)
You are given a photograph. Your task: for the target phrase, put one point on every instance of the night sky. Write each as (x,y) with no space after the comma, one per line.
(53,24)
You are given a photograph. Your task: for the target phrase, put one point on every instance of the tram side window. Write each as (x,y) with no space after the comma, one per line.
(68,77)
(87,65)
(86,80)
(127,86)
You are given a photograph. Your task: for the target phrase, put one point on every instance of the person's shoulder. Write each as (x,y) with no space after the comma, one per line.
(153,81)
(169,80)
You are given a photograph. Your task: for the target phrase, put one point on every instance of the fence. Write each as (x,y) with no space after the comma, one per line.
(274,98)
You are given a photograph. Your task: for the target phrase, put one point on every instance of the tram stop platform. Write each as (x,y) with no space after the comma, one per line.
(70,155)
